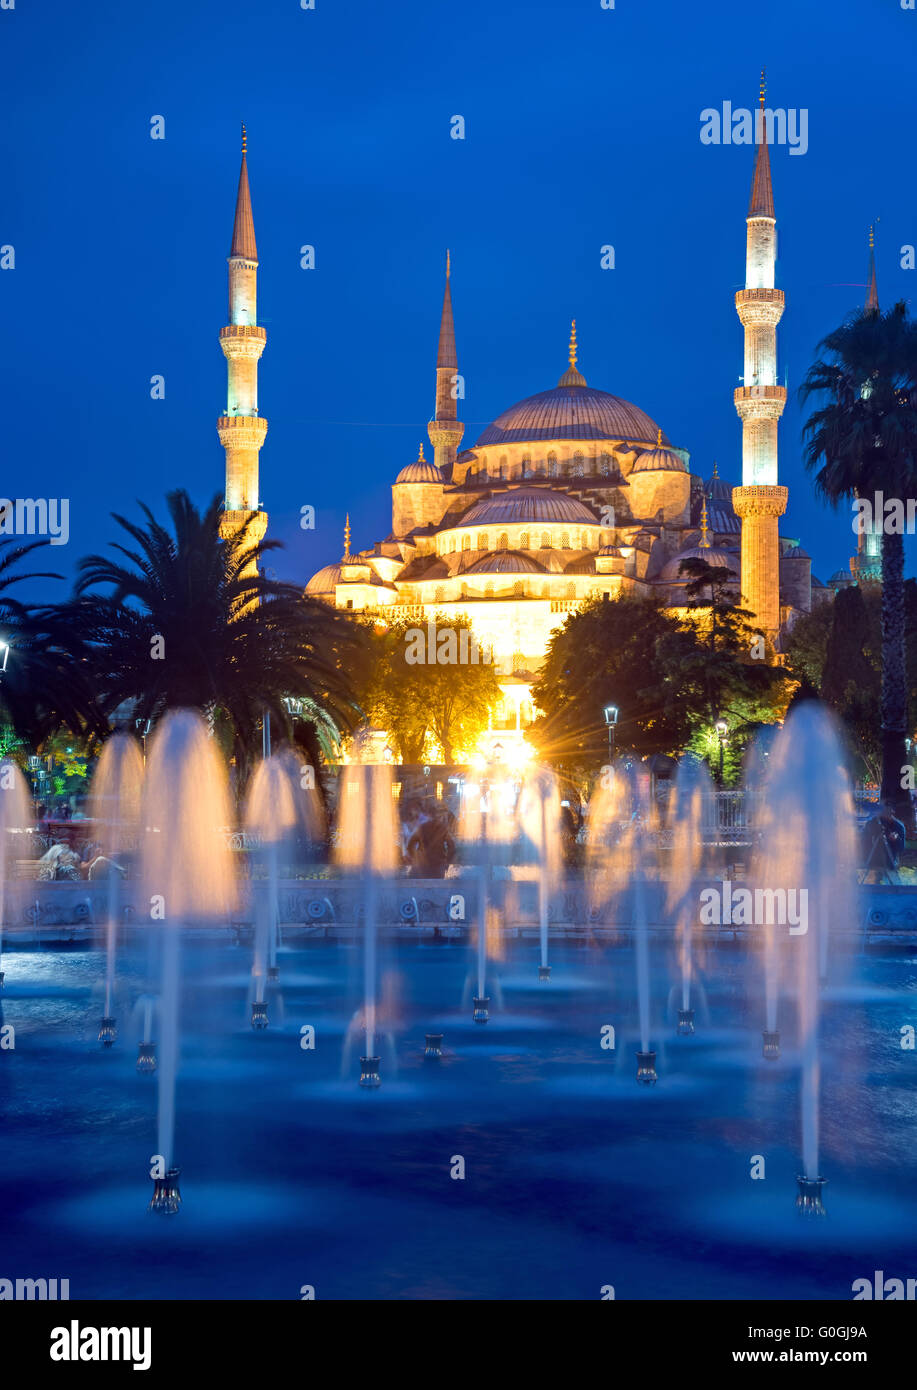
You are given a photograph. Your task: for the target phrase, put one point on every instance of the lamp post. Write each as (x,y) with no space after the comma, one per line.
(4,654)
(722,729)
(611,719)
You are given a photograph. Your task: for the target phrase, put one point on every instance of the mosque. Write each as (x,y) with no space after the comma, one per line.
(569,495)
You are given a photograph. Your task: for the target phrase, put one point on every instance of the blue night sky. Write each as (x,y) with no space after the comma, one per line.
(582,128)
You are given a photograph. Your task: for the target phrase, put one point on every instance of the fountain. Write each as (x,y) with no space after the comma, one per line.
(367,846)
(188,877)
(15,820)
(692,793)
(808,868)
(114,804)
(540,821)
(433,1045)
(146,1058)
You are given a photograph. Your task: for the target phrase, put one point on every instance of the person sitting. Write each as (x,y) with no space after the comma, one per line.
(883,838)
(60,862)
(431,848)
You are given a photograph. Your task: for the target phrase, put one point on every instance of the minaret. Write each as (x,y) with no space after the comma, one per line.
(241,428)
(759,403)
(444,429)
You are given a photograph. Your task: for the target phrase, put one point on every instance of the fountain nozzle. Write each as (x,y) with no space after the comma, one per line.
(808,1199)
(369,1072)
(646,1068)
(433,1045)
(481,1014)
(107,1031)
(166,1197)
(544,974)
(685,1023)
(259,1015)
(146,1058)
(771,1046)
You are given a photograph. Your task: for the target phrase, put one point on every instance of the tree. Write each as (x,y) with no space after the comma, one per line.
(864,441)
(606,653)
(430,683)
(714,668)
(187,624)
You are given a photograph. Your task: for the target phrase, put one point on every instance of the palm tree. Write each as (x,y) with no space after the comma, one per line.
(41,686)
(187,622)
(862,442)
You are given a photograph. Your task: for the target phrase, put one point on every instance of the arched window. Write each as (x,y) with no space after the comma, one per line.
(565,541)
(482,540)
(546,540)
(466,542)
(503,541)
(584,541)
(526,467)
(464,591)
(571,591)
(439,594)
(606,465)
(579,465)
(504,468)
(524,541)
(552,465)
(519,588)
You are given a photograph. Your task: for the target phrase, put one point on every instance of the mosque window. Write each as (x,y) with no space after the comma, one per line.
(524,541)
(526,467)
(606,465)
(579,465)
(565,540)
(584,541)
(546,540)
(464,591)
(503,541)
(571,591)
(504,468)
(482,540)
(552,465)
(519,588)
(439,594)
(466,542)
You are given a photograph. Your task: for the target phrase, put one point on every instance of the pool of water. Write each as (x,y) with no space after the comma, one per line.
(575,1177)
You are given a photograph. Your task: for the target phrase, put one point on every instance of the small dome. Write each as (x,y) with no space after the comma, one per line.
(659,460)
(505,562)
(420,471)
(840,577)
(527,504)
(716,490)
(713,555)
(323,584)
(611,550)
(796,552)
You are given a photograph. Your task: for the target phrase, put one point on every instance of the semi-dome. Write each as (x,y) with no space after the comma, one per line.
(420,471)
(659,460)
(711,554)
(505,562)
(527,504)
(324,582)
(570,412)
(612,550)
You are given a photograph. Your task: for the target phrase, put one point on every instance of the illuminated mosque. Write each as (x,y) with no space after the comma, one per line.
(569,495)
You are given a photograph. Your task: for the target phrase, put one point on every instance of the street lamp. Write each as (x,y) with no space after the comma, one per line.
(4,654)
(611,719)
(722,729)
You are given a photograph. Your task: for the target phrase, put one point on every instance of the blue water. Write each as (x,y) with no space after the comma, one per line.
(576,1177)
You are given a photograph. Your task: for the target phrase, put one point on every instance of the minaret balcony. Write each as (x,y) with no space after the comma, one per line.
(242,340)
(241,431)
(760,402)
(756,307)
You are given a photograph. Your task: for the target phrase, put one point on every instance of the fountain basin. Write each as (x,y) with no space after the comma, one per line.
(107,1031)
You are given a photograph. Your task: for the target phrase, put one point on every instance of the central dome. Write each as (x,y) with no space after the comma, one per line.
(527,504)
(571,412)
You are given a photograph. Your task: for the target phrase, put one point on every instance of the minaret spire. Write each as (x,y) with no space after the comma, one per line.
(760,401)
(572,377)
(704,529)
(445,430)
(346,555)
(241,428)
(872,292)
